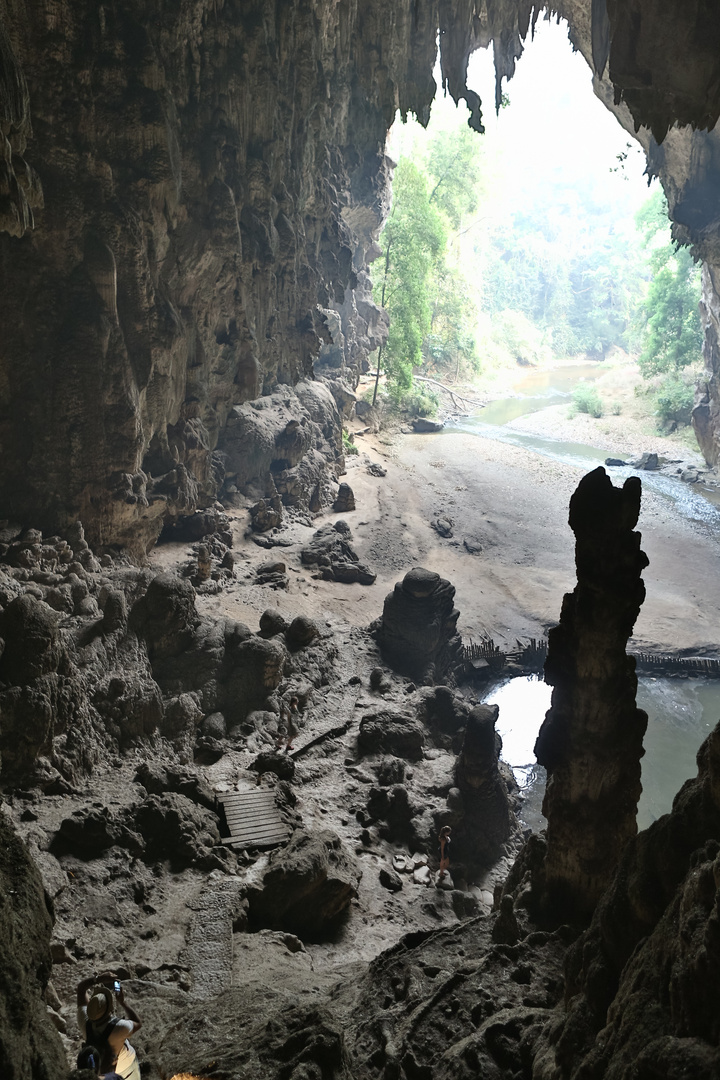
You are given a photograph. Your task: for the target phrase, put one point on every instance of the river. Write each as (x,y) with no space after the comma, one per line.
(681,712)
(537,390)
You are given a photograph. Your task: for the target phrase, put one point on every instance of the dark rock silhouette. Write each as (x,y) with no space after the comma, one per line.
(488,818)
(307,886)
(591,739)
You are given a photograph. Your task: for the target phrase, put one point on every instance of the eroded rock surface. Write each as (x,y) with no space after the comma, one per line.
(417,632)
(29,1044)
(307,887)
(332,552)
(591,739)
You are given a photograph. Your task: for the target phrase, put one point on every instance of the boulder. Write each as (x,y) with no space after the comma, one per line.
(391,771)
(443,527)
(183,715)
(275,762)
(266,514)
(423,425)
(308,886)
(390,880)
(393,808)
(87,833)
(613,462)
(332,552)
(177,829)
(648,462)
(272,573)
(417,633)
(443,714)
(272,623)
(159,778)
(301,631)
(214,726)
(390,733)
(345,501)
(166,617)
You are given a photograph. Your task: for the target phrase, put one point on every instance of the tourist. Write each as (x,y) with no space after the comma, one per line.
(105,1031)
(444,850)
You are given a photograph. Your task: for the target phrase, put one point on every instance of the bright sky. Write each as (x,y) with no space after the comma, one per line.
(555,128)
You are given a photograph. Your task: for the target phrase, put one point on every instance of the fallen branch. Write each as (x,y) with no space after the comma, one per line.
(333,733)
(453,393)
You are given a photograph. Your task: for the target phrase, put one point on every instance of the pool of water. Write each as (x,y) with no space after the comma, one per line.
(681,714)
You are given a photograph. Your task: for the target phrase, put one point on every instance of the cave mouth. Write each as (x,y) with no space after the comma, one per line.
(547,243)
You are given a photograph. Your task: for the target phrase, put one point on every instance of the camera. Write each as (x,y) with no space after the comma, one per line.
(116,986)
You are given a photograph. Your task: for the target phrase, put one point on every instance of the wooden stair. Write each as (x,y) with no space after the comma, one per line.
(253,819)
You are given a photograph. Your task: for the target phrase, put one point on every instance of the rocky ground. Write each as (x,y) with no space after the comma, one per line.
(177,931)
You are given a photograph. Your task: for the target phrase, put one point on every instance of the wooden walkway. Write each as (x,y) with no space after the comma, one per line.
(253,819)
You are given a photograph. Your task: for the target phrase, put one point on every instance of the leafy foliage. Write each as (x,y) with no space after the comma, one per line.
(413,240)
(674,399)
(520,338)
(586,399)
(670,330)
(567,267)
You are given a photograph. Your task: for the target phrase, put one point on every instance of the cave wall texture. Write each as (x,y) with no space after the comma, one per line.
(185,187)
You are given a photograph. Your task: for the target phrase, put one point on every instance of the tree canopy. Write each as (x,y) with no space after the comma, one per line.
(668,319)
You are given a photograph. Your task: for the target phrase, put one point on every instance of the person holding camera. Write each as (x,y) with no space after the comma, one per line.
(105,1031)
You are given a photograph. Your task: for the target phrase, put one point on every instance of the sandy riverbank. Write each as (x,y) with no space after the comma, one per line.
(511,503)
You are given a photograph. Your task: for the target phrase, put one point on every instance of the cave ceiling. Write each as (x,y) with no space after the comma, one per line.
(189,190)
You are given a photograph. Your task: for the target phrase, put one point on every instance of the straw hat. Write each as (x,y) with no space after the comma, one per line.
(100,1003)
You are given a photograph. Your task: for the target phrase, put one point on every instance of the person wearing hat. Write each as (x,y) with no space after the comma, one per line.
(104,1030)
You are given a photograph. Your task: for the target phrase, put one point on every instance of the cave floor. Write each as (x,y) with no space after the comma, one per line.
(511,504)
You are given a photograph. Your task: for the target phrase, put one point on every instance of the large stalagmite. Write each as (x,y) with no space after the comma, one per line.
(591,739)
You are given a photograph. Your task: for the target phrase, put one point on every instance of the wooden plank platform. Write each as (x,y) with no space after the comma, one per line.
(253,819)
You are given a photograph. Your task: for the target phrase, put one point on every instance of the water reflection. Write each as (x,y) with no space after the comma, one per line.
(681,714)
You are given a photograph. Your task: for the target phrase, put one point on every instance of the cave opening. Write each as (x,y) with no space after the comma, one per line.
(190,202)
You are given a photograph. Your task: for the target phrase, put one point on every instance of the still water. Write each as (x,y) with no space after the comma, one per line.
(681,714)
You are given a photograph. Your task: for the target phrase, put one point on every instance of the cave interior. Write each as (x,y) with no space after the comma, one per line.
(191,195)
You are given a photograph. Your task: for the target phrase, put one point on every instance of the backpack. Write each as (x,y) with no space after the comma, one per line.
(100,1040)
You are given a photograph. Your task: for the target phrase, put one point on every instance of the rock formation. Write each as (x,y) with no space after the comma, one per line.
(190,197)
(591,739)
(307,887)
(488,818)
(417,632)
(641,982)
(29,1045)
(176,255)
(331,551)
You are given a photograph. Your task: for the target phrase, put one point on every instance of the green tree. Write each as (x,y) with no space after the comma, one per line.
(450,345)
(412,242)
(454,168)
(670,331)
